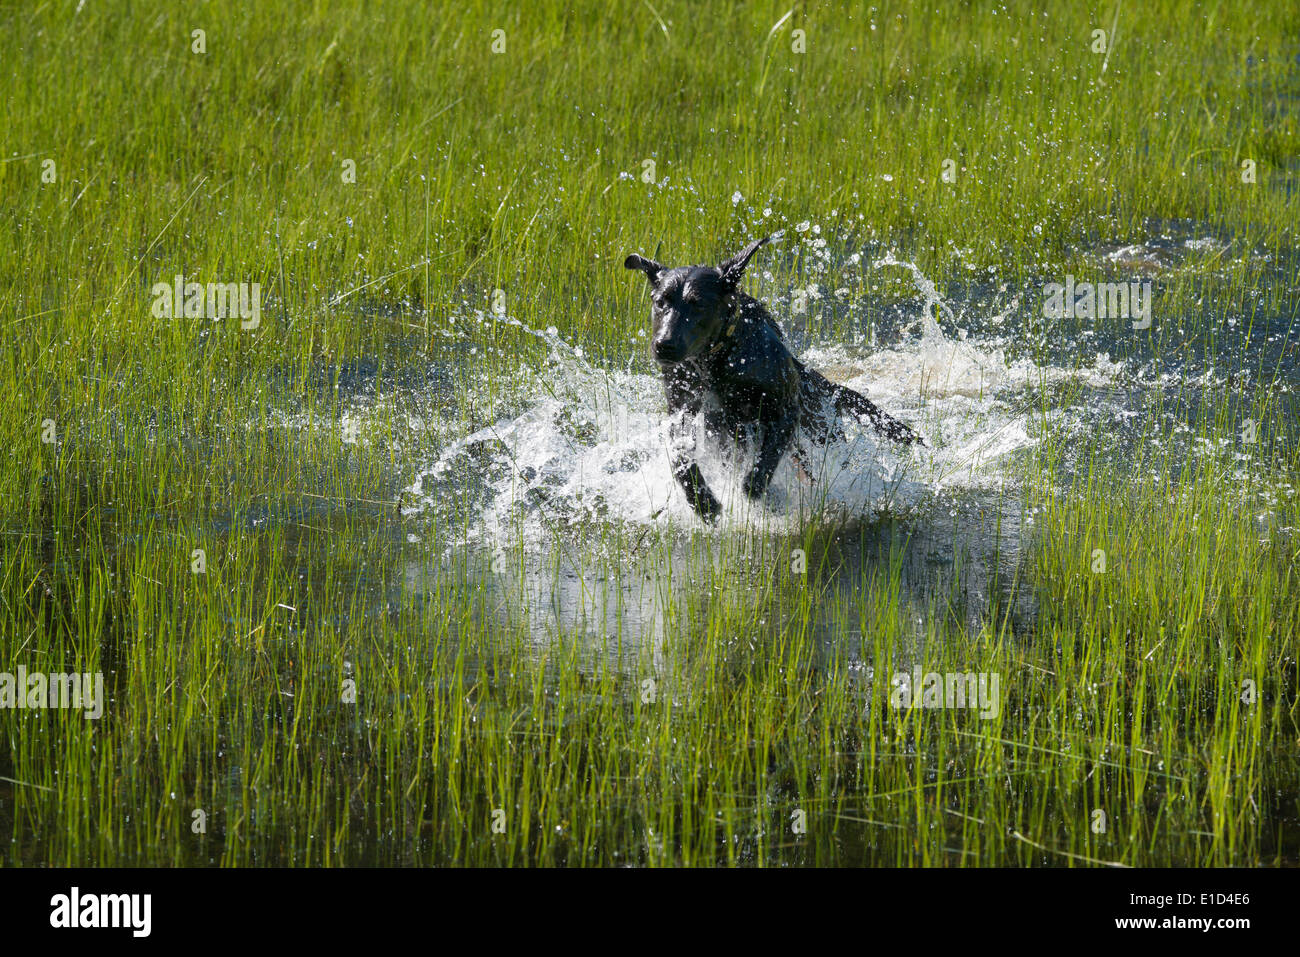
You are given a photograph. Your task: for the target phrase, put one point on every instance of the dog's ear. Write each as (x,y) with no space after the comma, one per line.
(733,268)
(647,266)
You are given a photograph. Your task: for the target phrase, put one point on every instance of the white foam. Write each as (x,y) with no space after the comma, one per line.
(593,444)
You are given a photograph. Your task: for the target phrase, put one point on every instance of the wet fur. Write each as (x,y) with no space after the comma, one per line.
(721,352)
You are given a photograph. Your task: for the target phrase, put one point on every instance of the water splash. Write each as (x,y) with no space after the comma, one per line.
(592,444)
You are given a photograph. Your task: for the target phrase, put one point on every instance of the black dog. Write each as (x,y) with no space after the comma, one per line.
(713,341)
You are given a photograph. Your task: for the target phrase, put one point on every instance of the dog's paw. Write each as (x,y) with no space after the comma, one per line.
(708,508)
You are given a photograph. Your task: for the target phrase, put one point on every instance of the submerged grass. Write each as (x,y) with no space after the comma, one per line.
(183,508)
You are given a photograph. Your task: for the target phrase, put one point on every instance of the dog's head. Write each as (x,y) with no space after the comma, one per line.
(691,305)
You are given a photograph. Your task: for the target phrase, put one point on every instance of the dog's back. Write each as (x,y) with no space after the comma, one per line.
(822,400)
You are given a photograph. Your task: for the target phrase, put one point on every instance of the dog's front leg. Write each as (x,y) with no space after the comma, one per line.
(691,479)
(776,439)
(684,398)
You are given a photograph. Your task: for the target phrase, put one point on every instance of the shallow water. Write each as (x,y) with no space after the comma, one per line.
(582,449)
(561,496)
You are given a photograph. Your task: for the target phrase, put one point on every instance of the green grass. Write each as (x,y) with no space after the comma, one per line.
(522,171)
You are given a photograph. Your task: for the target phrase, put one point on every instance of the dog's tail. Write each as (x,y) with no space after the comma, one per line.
(846,400)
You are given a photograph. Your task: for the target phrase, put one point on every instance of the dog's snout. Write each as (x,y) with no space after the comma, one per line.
(665,350)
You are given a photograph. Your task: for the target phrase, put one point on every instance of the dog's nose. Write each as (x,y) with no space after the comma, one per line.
(665,350)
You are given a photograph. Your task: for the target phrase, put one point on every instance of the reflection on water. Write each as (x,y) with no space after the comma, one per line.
(962,561)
